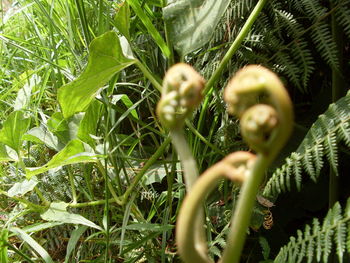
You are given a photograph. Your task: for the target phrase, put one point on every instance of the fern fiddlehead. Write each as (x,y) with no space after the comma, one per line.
(181,94)
(258,98)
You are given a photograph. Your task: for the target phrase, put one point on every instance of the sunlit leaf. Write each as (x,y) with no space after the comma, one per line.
(75,151)
(192,23)
(31,242)
(58,213)
(105,59)
(7,153)
(42,135)
(24,94)
(23,187)
(122,19)
(13,129)
(89,123)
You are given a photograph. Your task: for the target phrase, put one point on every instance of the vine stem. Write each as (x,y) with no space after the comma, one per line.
(235,45)
(241,218)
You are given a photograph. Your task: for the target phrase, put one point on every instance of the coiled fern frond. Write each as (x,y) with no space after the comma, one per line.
(329,129)
(315,243)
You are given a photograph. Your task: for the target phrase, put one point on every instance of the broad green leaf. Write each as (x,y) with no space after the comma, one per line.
(135,5)
(89,123)
(65,129)
(122,19)
(31,242)
(24,94)
(126,101)
(13,129)
(192,23)
(7,153)
(105,59)
(42,135)
(73,240)
(23,187)
(75,151)
(58,213)
(3,246)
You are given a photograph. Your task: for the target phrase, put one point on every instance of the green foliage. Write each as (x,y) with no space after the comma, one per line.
(57,212)
(192,23)
(321,141)
(315,243)
(13,130)
(106,59)
(74,152)
(103,159)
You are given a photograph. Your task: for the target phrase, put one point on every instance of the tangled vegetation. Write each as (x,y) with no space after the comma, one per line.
(92,170)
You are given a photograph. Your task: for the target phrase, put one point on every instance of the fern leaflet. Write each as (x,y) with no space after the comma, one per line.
(330,128)
(315,242)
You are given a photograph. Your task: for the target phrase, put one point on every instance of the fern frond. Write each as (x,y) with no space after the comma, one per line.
(305,60)
(329,129)
(315,242)
(289,67)
(342,15)
(313,8)
(323,40)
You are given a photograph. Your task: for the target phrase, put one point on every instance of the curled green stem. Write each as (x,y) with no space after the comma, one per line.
(233,167)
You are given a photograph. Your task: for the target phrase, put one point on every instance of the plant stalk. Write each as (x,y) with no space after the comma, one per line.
(242,214)
(191,174)
(235,45)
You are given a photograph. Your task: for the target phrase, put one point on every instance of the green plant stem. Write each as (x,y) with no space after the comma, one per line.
(149,75)
(71,181)
(41,196)
(83,20)
(17,251)
(189,164)
(209,87)
(109,185)
(241,218)
(186,230)
(124,199)
(191,174)
(144,169)
(235,45)
(32,206)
